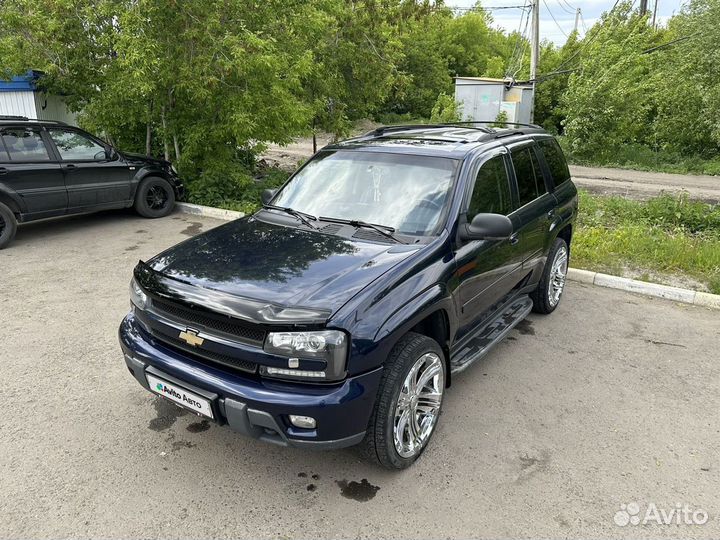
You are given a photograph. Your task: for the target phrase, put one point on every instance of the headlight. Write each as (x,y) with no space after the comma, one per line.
(318,355)
(173,170)
(137,295)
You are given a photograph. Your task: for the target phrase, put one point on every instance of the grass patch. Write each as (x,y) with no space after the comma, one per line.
(666,235)
(641,158)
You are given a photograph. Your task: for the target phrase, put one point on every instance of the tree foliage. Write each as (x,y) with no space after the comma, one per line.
(207,84)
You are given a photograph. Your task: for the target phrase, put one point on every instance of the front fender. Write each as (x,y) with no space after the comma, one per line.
(415,310)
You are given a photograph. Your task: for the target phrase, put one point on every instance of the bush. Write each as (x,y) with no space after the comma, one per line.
(233,187)
(445,110)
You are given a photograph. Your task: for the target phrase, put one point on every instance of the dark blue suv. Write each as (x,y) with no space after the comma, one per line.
(338,314)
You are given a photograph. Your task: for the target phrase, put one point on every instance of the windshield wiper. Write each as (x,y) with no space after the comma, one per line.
(302,216)
(385,230)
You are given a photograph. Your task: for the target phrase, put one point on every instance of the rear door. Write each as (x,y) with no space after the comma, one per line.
(29,168)
(486,269)
(93,180)
(536,205)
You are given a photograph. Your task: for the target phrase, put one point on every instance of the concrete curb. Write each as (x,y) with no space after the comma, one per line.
(648,289)
(574,274)
(207,211)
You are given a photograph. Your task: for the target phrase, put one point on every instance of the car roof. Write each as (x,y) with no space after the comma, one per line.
(442,140)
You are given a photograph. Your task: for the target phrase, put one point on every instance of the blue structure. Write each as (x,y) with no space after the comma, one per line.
(21,96)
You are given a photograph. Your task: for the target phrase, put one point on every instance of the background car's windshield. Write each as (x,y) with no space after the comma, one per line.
(405,192)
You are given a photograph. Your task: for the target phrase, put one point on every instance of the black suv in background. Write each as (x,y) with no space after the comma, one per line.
(339,313)
(50,169)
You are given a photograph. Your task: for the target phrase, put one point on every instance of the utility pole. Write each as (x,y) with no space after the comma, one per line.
(534,52)
(577,19)
(643,7)
(655,14)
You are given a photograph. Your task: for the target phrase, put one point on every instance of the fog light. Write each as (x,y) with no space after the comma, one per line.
(305,422)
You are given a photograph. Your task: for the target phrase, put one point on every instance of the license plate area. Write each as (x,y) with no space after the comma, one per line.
(178,393)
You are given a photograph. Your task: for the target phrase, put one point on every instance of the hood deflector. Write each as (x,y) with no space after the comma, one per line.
(246,309)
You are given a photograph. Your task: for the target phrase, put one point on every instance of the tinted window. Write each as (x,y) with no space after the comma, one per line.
(491,193)
(555,160)
(529,175)
(74,146)
(539,176)
(25,144)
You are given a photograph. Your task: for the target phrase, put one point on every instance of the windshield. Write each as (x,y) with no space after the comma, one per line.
(405,192)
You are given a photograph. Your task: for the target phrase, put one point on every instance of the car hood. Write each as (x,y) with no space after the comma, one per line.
(279,265)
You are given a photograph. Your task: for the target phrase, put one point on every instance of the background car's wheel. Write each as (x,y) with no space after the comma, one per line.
(408,403)
(155,198)
(552,283)
(8,225)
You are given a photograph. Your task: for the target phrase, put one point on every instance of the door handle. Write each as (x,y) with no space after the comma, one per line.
(69,166)
(3,170)
(514,239)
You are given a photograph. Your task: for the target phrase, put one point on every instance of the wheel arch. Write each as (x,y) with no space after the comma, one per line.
(152,172)
(428,314)
(436,325)
(11,203)
(566,233)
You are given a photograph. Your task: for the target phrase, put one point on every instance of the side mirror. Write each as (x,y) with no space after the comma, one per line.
(487,227)
(267,195)
(110,153)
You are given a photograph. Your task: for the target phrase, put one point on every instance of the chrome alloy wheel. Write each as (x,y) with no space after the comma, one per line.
(418,405)
(558,273)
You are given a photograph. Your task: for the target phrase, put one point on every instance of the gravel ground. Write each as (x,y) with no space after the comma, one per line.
(611,400)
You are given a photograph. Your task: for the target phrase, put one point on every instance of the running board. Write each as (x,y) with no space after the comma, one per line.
(491,334)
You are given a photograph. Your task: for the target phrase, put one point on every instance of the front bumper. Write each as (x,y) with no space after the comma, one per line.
(256,407)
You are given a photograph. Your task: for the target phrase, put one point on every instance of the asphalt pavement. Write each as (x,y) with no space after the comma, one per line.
(578,424)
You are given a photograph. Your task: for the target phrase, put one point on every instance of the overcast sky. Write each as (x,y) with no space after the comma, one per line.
(564,13)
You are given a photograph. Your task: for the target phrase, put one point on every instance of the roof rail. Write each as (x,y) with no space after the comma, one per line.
(407,127)
(26,119)
(493,122)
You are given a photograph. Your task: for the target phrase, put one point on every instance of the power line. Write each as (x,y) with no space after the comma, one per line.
(520,46)
(570,10)
(481,8)
(586,41)
(554,19)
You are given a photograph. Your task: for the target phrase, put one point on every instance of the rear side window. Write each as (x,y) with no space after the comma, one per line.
(529,175)
(555,160)
(24,144)
(491,193)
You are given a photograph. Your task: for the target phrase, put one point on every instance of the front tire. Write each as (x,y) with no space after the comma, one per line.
(8,226)
(408,404)
(552,283)
(155,198)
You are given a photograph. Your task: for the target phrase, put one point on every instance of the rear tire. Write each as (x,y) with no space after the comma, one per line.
(155,198)
(552,283)
(8,226)
(408,403)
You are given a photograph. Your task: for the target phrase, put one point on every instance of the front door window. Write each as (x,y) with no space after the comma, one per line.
(73,146)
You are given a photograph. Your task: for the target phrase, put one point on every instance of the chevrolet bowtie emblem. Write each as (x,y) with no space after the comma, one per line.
(191,337)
